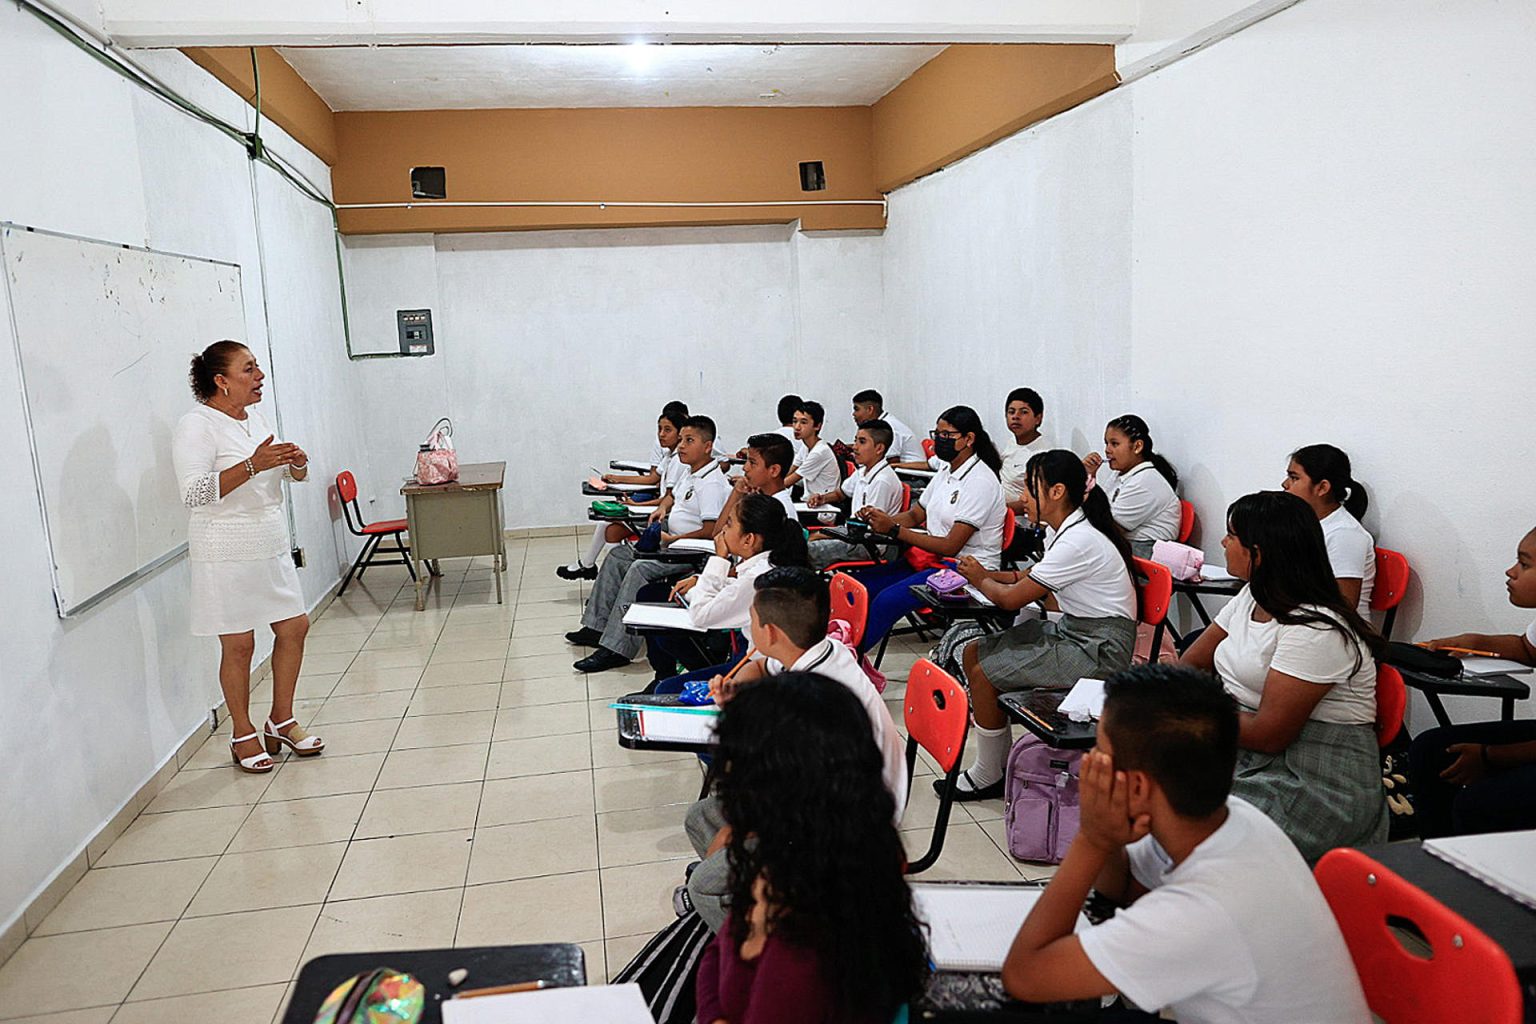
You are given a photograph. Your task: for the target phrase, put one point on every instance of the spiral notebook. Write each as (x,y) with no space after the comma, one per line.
(970,927)
(1504,860)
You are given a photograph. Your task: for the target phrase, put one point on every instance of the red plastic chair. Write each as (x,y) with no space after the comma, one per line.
(1467,975)
(1154,596)
(928,447)
(1391,585)
(850,602)
(1186,521)
(938,716)
(906,496)
(1391,704)
(346,490)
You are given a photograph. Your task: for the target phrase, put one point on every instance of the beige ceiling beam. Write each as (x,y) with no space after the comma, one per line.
(185,23)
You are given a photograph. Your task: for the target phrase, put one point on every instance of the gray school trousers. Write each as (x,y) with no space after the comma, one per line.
(710,882)
(618,582)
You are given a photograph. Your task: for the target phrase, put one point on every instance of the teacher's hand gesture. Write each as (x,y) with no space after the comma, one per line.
(270,455)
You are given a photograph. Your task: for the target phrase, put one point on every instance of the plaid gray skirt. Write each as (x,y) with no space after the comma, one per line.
(1324,790)
(1039,653)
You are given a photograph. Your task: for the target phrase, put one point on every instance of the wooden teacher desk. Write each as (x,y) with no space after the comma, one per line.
(457,520)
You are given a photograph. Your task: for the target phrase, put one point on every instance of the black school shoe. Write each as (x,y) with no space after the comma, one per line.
(601,660)
(581,572)
(584,637)
(965,796)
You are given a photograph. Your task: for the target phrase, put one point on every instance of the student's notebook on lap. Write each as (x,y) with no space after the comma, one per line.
(590,1004)
(1504,860)
(660,616)
(972,926)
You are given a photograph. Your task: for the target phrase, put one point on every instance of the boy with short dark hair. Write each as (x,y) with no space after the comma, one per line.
(905,446)
(1221,918)
(817,467)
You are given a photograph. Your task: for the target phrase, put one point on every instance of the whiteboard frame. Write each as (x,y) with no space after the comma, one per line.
(143,571)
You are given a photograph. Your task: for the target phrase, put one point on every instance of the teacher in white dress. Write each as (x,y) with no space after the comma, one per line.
(231,467)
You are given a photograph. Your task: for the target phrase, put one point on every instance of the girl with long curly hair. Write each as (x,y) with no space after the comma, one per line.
(821,927)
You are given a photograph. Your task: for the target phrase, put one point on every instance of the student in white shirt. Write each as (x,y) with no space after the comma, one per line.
(960,513)
(1220,921)
(1086,574)
(767,463)
(786,429)
(1025,412)
(1299,661)
(668,429)
(905,446)
(689,511)
(817,468)
(1319,474)
(1141,484)
(1481,777)
(754,537)
(874,483)
(789,625)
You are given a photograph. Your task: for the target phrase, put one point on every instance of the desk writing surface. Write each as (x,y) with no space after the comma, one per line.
(473,476)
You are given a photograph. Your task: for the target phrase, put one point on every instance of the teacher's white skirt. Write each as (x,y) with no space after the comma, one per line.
(237,597)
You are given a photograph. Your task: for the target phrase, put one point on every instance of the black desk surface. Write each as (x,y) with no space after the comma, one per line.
(970,608)
(629,725)
(1514,687)
(1509,923)
(559,963)
(1036,711)
(1228,587)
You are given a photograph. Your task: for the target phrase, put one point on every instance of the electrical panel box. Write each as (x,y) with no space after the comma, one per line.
(415,331)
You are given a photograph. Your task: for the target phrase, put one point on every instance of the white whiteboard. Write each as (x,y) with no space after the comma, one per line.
(104,335)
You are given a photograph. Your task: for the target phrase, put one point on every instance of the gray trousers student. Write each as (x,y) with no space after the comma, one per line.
(710,882)
(618,583)
(827,551)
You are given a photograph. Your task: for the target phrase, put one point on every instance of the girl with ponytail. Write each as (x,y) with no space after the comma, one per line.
(1086,574)
(1319,474)
(759,535)
(1141,491)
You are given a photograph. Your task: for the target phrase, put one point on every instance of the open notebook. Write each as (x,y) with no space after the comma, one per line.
(676,723)
(1504,860)
(590,1004)
(972,926)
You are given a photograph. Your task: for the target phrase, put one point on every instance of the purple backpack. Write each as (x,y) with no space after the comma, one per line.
(1040,790)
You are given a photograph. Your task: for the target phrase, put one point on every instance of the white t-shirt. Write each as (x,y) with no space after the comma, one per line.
(1530,634)
(1085,572)
(698,497)
(246,524)
(1143,503)
(818,470)
(905,447)
(835,661)
(784,498)
(794,442)
(659,451)
(1238,933)
(1015,459)
(722,601)
(879,487)
(1351,552)
(671,469)
(970,495)
(1315,654)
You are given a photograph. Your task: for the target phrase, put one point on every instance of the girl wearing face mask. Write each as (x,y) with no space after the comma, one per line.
(1141,486)
(961,512)
(1481,777)
(1319,474)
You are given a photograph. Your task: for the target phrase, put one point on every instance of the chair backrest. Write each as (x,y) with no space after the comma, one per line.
(1391,580)
(1391,703)
(1154,591)
(1010,526)
(1186,521)
(906,496)
(346,486)
(928,447)
(936,713)
(850,602)
(1467,976)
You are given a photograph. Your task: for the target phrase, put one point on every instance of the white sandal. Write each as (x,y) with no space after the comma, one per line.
(256,764)
(301,742)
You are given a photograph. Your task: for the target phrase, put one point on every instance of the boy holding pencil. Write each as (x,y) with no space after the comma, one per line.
(789,629)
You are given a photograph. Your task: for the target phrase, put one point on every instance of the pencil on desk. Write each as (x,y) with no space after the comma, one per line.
(497,990)
(1463,650)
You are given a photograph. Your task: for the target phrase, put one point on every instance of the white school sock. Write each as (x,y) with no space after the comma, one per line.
(594,549)
(992,746)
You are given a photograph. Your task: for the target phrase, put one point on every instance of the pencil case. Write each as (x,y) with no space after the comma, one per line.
(948,585)
(610,508)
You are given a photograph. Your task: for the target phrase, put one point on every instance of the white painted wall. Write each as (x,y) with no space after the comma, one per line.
(1318,229)
(98,704)
(556,350)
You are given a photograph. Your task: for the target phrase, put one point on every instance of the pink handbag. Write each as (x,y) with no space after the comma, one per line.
(436,461)
(1182,560)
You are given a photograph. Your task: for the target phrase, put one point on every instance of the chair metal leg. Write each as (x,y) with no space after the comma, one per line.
(405,555)
(353,571)
(366,556)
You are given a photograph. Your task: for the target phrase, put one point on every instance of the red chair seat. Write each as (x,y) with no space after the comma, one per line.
(385,526)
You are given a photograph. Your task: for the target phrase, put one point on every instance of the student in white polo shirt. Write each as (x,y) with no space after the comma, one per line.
(905,446)
(1140,485)
(1320,475)
(1025,413)
(874,483)
(689,511)
(960,513)
(786,429)
(1219,919)
(767,463)
(1085,574)
(817,469)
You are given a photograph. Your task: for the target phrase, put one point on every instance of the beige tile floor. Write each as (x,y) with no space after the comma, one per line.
(471,793)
